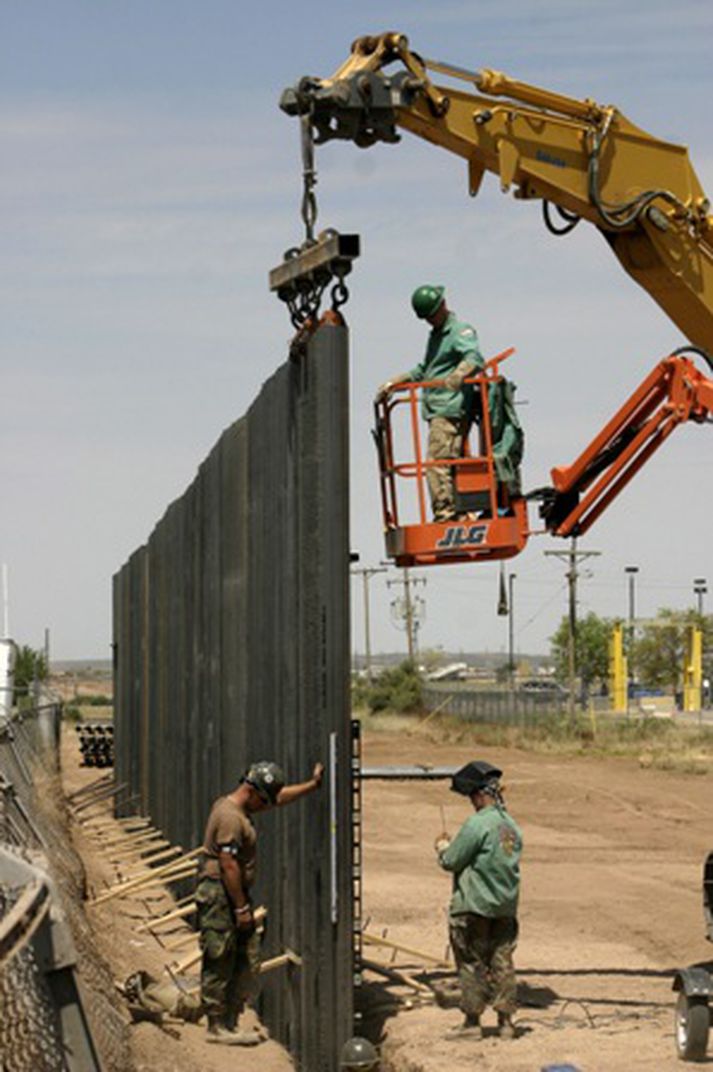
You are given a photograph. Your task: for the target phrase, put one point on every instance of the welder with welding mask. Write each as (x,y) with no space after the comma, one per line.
(484,859)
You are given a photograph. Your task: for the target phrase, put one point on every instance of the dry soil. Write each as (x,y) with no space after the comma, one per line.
(611,906)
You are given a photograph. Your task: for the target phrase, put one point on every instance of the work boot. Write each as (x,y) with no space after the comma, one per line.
(220,1034)
(471,1028)
(257,1031)
(506,1028)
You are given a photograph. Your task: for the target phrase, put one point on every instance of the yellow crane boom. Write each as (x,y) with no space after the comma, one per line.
(587,160)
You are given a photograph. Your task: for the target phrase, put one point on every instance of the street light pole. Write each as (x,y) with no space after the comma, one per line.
(700,589)
(511,629)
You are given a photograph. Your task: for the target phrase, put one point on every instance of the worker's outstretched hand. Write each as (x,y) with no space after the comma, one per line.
(318,774)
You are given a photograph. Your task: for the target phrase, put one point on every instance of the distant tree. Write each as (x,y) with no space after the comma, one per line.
(502,673)
(660,648)
(591,650)
(30,665)
(431,659)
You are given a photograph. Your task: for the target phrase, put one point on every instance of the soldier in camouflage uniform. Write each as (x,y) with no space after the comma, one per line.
(230,944)
(484,858)
(452,355)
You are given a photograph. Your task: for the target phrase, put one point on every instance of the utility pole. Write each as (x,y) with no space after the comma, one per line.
(406,611)
(366,573)
(572,557)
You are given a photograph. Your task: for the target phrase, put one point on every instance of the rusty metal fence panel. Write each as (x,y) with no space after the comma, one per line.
(231,644)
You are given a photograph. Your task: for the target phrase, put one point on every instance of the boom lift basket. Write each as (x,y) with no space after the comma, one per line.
(491,523)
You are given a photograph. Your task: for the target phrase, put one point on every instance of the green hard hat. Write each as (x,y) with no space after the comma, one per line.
(266,778)
(426,299)
(358,1055)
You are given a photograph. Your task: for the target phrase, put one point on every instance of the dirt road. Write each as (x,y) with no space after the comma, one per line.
(611,905)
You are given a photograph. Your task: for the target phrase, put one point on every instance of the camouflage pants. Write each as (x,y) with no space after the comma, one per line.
(445,440)
(483,950)
(231,958)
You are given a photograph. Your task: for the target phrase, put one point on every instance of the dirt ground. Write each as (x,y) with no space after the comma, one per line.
(173,1045)
(611,905)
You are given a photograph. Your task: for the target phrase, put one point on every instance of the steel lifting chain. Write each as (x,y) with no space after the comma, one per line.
(309,177)
(304,304)
(339,292)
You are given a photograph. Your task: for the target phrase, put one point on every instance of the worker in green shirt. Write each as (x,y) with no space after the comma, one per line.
(484,858)
(452,355)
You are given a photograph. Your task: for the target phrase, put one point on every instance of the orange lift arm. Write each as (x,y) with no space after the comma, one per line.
(673,392)
(587,160)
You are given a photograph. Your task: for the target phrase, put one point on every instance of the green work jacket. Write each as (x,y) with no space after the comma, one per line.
(447,346)
(484,857)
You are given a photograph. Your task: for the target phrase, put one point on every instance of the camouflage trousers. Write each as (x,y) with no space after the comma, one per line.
(483,950)
(445,440)
(231,958)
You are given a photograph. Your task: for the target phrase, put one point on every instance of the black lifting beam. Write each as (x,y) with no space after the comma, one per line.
(307,271)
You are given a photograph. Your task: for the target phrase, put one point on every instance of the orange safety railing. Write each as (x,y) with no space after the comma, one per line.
(479,467)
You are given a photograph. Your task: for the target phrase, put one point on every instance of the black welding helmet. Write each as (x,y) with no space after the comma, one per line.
(474,776)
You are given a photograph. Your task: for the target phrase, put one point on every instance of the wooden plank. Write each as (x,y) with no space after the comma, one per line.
(372,939)
(169,917)
(397,976)
(123,888)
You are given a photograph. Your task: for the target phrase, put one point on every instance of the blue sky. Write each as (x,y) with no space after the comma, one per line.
(149,182)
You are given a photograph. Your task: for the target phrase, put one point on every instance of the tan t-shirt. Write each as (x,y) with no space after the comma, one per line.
(229,825)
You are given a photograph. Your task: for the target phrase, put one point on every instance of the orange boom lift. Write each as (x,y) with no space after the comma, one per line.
(674,392)
(583,161)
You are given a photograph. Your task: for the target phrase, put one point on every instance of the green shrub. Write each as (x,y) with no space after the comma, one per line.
(395,689)
(94,699)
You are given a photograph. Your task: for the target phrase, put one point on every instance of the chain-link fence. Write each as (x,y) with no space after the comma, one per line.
(58,1005)
(510,707)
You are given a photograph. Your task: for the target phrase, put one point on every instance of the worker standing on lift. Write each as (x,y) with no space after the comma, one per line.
(452,354)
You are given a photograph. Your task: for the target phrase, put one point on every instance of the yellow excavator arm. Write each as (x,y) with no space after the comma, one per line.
(588,161)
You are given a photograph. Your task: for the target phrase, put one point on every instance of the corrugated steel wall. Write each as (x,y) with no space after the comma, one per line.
(231,631)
